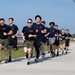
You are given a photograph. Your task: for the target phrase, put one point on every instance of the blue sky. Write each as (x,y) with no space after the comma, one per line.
(62,12)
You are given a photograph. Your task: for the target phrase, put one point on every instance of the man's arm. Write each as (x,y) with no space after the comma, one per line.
(10,32)
(18,32)
(23,37)
(43,31)
(30,35)
(47,34)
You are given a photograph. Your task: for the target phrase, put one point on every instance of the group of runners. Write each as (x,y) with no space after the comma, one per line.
(35,35)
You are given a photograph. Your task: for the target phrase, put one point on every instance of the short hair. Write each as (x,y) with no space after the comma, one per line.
(38,16)
(52,23)
(11,18)
(67,29)
(56,25)
(43,22)
(2,19)
(62,29)
(30,19)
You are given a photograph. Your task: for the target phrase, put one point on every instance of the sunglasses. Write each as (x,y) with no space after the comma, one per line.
(29,22)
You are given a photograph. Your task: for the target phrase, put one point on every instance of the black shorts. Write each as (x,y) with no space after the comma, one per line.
(67,42)
(13,42)
(56,42)
(43,40)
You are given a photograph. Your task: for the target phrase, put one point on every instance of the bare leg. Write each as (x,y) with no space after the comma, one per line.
(52,48)
(26,51)
(63,46)
(55,47)
(10,48)
(42,48)
(29,54)
(6,52)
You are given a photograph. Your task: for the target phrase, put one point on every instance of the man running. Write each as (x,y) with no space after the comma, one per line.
(52,32)
(13,37)
(28,35)
(56,43)
(5,31)
(40,30)
(62,40)
(68,38)
(46,38)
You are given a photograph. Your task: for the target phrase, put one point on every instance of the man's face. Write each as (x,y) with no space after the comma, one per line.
(38,20)
(2,22)
(29,22)
(56,27)
(63,31)
(67,31)
(10,21)
(51,25)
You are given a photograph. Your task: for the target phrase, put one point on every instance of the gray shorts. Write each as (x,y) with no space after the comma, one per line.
(51,40)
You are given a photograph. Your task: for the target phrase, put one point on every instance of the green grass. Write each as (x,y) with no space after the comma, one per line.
(18,53)
(15,54)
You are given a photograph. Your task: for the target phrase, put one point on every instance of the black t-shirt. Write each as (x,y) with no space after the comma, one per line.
(58,32)
(39,27)
(14,29)
(68,35)
(63,36)
(52,32)
(3,29)
(26,30)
